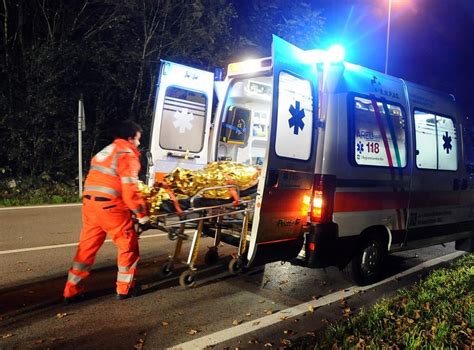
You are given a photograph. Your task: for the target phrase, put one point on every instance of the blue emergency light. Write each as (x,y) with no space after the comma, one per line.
(336,53)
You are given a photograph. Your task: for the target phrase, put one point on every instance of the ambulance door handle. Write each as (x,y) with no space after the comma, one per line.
(272,179)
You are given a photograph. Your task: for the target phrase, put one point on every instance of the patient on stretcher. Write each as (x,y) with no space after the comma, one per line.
(227,182)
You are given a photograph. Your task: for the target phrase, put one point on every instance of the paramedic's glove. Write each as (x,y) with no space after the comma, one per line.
(143,224)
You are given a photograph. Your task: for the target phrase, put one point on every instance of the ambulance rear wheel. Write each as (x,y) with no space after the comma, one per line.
(167,269)
(235,266)
(187,279)
(212,256)
(366,265)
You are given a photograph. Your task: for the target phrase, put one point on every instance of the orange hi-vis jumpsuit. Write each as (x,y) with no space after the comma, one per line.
(110,192)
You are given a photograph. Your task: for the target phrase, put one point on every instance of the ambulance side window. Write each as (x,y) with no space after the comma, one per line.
(436,141)
(184,120)
(379,133)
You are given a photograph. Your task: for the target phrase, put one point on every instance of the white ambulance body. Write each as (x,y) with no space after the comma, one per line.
(377,162)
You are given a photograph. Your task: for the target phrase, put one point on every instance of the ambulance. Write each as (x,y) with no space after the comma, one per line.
(354,163)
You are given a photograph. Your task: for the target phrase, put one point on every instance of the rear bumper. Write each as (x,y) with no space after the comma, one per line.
(324,247)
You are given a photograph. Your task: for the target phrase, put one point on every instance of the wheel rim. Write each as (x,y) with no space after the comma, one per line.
(370,259)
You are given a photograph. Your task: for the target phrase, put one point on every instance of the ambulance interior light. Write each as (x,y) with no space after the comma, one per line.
(248,66)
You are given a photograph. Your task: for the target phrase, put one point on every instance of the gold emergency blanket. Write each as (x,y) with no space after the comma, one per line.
(183,183)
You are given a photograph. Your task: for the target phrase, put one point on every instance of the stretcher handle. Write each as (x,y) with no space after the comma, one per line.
(199,193)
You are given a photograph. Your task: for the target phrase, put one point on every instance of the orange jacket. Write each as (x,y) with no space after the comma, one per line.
(114,174)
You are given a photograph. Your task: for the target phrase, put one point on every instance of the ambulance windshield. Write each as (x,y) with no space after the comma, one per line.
(245,121)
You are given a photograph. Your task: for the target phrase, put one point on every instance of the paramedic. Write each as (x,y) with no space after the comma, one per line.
(110,193)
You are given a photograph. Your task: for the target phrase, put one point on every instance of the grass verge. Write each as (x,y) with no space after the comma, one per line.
(435,313)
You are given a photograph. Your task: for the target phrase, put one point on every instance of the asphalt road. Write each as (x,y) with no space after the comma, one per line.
(36,248)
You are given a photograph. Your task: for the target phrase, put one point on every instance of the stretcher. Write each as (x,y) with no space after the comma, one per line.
(226,220)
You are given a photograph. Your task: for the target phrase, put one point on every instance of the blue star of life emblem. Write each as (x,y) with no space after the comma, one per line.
(360,147)
(447,143)
(296,120)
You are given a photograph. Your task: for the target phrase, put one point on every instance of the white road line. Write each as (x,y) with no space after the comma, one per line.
(4,252)
(43,206)
(266,321)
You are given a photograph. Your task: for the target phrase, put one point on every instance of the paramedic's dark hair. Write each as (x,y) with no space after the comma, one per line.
(126,129)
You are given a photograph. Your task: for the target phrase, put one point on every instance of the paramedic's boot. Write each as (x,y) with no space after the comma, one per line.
(74,299)
(133,292)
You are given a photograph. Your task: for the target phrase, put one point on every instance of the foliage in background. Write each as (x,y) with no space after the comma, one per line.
(437,313)
(109,51)
(45,191)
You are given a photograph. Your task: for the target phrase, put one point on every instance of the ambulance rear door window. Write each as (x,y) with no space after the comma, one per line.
(379,133)
(436,141)
(184,120)
(294,129)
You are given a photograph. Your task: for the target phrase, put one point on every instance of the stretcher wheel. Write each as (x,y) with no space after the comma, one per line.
(235,266)
(167,269)
(187,279)
(212,256)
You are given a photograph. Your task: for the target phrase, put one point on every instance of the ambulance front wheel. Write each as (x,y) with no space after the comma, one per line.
(235,266)
(187,279)
(366,265)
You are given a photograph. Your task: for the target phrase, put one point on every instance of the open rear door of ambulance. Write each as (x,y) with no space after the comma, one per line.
(181,121)
(283,197)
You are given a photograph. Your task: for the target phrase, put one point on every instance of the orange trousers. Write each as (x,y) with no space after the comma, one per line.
(100,218)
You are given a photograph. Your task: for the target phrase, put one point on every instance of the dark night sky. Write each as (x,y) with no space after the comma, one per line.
(431,41)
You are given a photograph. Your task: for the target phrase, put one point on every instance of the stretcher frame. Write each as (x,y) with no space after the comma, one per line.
(175,224)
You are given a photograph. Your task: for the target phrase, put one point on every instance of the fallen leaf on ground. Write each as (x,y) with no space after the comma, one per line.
(39,341)
(314,297)
(268,345)
(288,331)
(253,340)
(256,323)
(283,282)
(283,317)
(164,323)
(347,312)
(261,301)
(311,308)
(311,334)
(61,314)
(286,342)
(193,332)
(236,322)
(139,344)
(268,312)
(56,338)
(248,314)
(8,335)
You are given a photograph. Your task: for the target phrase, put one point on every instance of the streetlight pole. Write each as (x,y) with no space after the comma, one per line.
(388,35)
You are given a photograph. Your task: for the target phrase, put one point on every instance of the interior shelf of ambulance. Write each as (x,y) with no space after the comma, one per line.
(245,121)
